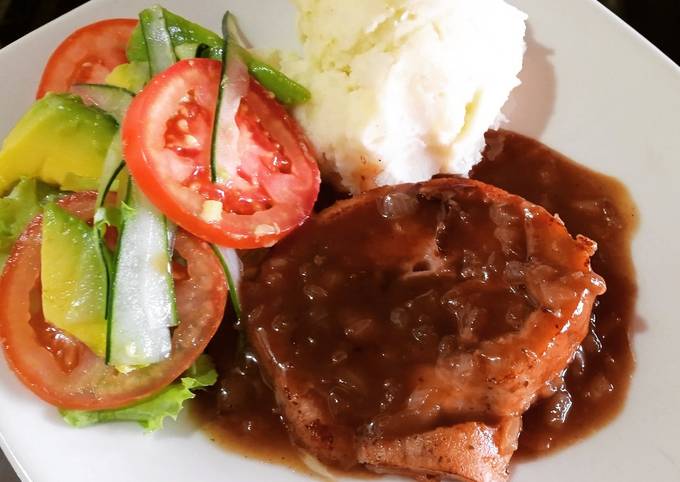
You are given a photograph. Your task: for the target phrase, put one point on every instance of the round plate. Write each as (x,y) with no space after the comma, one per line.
(593,89)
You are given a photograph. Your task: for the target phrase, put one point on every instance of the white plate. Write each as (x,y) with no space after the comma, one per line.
(593,89)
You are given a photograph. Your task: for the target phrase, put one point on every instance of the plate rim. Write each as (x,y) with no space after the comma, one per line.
(651,49)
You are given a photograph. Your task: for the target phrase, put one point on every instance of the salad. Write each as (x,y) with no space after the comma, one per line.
(155,148)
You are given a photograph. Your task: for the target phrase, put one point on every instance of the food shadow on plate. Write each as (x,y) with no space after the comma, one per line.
(531,104)
(184,427)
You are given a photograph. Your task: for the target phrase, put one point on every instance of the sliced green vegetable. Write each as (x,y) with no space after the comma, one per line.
(136,48)
(151,413)
(132,76)
(109,216)
(186,51)
(17,209)
(81,135)
(233,86)
(182,31)
(143,301)
(192,51)
(73,278)
(231,264)
(109,98)
(159,48)
(286,90)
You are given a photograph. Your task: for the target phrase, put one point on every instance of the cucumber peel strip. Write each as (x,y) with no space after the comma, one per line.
(113,166)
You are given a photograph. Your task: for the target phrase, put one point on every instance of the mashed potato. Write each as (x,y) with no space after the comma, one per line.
(403,89)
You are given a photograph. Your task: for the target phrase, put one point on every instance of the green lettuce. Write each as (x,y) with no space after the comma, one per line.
(17,209)
(112,216)
(151,413)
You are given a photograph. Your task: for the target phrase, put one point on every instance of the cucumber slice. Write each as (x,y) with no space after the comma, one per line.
(143,304)
(233,86)
(232,266)
(132,76)
(192,51)
(109,98)
(113,167)
(157,38)
(186,51)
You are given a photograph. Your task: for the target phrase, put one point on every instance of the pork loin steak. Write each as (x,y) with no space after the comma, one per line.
(408,329)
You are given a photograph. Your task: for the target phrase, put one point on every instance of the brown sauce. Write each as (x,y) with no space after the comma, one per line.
(599,207)
(241,414)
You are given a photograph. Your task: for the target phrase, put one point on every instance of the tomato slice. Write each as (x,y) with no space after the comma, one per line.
(167,144)
(63,371)
(88,55)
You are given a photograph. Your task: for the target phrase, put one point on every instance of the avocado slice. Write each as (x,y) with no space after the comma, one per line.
(131,76)
(60,141)
(74,284)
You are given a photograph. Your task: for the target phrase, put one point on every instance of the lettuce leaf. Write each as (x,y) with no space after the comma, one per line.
(151,413)
(112,216)
(17,209)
